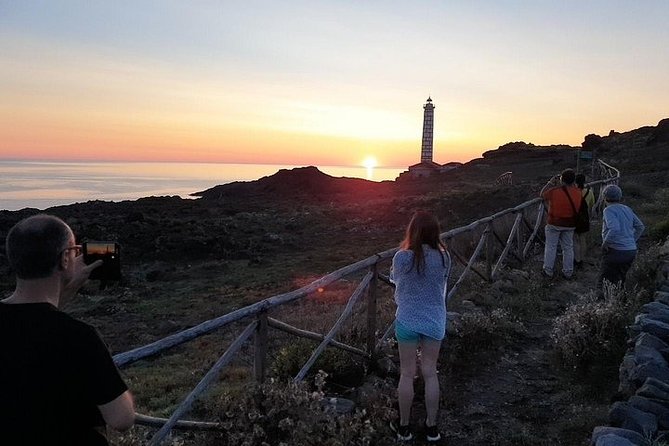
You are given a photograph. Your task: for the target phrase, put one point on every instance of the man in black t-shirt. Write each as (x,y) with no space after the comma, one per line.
(58,382)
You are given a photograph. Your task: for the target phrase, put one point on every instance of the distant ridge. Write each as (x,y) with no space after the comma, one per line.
(298,182)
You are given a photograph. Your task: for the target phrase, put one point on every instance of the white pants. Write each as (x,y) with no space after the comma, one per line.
(580,246)
(565,236)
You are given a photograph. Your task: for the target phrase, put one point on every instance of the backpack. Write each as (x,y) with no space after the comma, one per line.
(581,217)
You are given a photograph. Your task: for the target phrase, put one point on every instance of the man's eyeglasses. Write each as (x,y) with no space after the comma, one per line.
(76,248)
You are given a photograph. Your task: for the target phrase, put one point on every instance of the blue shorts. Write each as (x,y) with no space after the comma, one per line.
(403,334)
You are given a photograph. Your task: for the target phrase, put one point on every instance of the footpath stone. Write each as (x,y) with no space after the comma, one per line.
(650,391)
(649,370)
(613,440)
(626,384)
(655,315)
(655,307)
(657,311)
(649,340)
(652,406)
(634,437)
(664,386)
(626,416)
(654,327)
(643,355)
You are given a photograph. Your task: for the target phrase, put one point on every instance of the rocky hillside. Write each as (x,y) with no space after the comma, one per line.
(303,182)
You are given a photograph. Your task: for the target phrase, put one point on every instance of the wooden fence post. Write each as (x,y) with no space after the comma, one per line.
(371,311)
(537,224)
(507,247)
(489,250)
(260,348)
(519,240)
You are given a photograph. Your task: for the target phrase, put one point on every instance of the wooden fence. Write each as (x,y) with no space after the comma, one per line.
(491,249)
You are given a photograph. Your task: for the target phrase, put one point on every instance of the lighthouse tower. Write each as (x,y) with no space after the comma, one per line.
(427,167)
(428,126)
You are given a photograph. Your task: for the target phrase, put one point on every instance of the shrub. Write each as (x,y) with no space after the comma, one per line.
(342,367)
(481,331)
(643,272)
(292,414)
(660,230)
(594,330)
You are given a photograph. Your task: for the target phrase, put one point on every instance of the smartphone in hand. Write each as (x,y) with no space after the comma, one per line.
(109,253)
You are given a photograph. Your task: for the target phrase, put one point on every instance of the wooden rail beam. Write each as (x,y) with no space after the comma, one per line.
(509,242)
(465,262)
(290,329)
(386,335)
(471,261)
(203,384)
(335,329)
(146,420)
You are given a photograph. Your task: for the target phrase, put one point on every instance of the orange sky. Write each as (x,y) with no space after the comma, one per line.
(267,84)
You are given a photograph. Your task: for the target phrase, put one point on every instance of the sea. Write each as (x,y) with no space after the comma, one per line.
(38,184)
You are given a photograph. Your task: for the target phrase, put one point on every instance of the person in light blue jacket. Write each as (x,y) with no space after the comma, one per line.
(420,272)
(621,229)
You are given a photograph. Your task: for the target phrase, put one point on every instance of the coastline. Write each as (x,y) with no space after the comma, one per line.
(44,184)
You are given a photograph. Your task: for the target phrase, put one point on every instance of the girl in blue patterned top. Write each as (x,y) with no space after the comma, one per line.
(420,272)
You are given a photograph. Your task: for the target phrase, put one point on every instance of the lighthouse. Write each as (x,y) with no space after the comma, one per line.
(427,167)
(428,126)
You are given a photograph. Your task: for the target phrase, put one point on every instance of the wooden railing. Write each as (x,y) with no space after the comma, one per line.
(486,260)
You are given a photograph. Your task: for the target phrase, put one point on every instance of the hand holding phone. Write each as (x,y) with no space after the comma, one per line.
(109,253)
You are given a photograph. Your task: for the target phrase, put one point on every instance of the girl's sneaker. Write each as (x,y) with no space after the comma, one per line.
(432,433)
(403,433)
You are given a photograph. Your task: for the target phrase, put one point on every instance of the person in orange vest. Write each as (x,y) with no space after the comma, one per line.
(563,199)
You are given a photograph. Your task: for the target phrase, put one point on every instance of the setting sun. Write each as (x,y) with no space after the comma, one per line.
(370,162)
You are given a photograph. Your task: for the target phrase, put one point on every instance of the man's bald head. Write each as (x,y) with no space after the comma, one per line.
(34,245)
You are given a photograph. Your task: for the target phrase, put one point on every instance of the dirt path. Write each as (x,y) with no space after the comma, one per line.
(519,395)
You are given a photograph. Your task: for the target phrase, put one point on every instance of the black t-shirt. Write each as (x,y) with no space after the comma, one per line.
(54,372)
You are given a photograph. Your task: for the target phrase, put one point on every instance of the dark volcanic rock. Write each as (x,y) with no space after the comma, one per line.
(307,182)
(660,134)
(626,416)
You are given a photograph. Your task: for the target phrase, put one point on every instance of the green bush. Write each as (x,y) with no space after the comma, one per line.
(482,331)
(279,414)
(593,330)
(292,414)
(660,230)
(343,368)
(643,272)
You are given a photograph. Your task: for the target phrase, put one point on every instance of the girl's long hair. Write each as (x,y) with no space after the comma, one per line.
(423,229)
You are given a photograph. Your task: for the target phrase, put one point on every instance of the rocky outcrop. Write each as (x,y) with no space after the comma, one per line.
(660,134)
(307,182)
